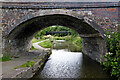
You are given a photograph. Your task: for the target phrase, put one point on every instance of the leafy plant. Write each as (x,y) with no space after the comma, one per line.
(112,41)
(112,63)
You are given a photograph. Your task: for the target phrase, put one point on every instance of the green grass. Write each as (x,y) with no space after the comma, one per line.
(45,44)
(59,38)
(5,58)
(76,40)
(36,40)
(33,48)
(27,64)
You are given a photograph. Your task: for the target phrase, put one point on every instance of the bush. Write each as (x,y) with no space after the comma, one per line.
(112,63)
(113,40)
(69,38)
(78,41)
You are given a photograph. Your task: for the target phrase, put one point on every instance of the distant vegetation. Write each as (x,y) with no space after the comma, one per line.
(36,40)
(56,28)
(72,37)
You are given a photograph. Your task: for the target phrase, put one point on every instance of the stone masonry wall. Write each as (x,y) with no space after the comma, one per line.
(12,18)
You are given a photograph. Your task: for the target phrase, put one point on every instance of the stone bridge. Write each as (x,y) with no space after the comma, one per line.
(21,21)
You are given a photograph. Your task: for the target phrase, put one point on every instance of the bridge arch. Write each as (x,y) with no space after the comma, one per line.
(19,39)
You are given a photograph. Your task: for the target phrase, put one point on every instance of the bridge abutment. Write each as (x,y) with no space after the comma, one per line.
(94,47)
(14,47)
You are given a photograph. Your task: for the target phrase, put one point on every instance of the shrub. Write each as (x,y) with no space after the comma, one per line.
(78,41)
(112,63)
(113,40)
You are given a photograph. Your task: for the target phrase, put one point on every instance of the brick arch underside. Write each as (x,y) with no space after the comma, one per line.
(19,39)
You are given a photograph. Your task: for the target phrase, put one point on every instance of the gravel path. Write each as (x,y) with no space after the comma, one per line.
(39,47)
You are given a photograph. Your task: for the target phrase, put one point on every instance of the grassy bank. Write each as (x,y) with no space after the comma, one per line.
(33,48)
(27,64)
(46,44)
(76,41)
(36,40)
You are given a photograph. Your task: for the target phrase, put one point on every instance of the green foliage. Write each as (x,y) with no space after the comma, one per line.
(78,41)
(112,41)
(73,37)
(59,38)
(69,38)
(46,44)
(112,63)
(5,58)
(33,48)
(27,64)
(75,48)
(57,28)
(36,40)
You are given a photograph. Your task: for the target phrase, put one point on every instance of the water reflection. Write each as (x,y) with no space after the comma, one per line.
(61,44)
(64,64)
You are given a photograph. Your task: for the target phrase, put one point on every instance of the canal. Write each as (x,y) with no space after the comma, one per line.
(66,64)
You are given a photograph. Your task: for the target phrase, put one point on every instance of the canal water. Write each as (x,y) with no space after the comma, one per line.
(66,64)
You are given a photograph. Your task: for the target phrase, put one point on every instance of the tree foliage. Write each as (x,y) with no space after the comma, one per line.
(56,28)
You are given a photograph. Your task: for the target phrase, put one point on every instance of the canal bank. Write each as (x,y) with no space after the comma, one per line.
(63,63)
(21,67)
